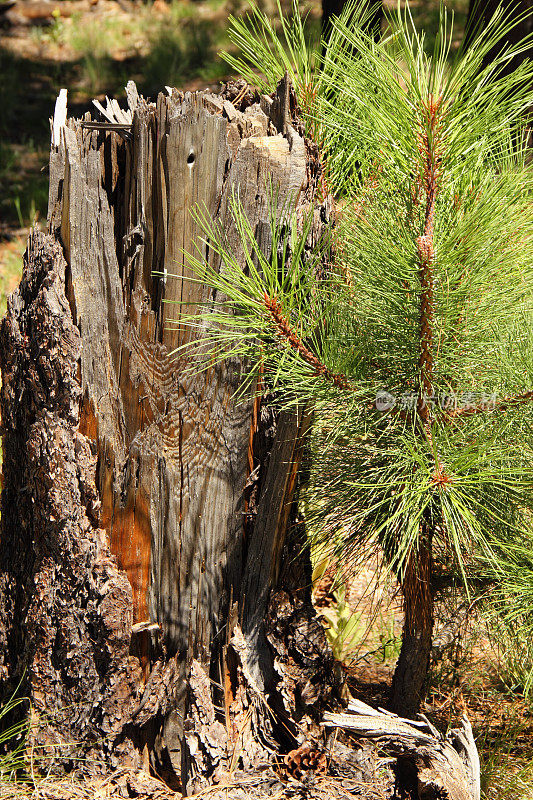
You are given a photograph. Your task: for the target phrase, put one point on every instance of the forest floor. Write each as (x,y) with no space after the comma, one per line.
(473,671)
(92,47)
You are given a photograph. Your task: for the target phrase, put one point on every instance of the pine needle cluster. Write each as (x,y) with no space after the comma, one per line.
(414,344)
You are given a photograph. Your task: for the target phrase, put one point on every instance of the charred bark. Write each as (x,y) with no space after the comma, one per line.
(66,610)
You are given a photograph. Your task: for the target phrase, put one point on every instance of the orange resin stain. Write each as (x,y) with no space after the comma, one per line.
(130,540)
(127,524)
(88,424)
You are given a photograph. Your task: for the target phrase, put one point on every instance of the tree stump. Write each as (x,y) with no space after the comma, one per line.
(144,510)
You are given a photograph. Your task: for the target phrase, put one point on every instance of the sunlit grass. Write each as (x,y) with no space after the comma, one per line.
(14,728)
(470,676)
(160,45)
(506,758)
(94,54)
(10,269)
(23,183)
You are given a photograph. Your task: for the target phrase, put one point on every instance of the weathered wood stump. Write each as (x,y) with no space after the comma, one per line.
(144,510)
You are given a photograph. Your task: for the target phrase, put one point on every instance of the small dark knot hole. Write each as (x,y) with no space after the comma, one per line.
(190,158)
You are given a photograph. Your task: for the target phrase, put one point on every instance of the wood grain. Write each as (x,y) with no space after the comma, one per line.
(172,463)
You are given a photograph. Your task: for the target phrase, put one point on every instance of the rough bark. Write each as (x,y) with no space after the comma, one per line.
(143,528)
(409,680)
(66,610)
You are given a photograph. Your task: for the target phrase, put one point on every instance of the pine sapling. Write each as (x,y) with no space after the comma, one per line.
(414,344)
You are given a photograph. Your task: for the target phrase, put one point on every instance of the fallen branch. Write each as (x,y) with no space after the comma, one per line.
(447,766)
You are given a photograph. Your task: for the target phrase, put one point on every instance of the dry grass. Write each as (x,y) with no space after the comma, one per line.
(473,670)
(469,677)
(10,268)
(94,53)
(123,783)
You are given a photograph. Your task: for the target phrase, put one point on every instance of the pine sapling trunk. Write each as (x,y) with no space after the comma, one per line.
(413,662)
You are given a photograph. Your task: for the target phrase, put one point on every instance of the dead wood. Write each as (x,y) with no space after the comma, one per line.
(144,511)
(447,766)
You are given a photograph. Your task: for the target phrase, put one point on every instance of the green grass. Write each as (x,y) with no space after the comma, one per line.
(156,49)
(13,738)
(23,183)
(514,660)
(506,756)
(482,674)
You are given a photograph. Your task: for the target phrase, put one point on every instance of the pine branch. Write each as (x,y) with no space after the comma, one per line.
(444,142)
(501,405)
(285,331)
(430,149)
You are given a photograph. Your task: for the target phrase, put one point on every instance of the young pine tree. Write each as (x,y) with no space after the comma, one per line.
(414,346)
